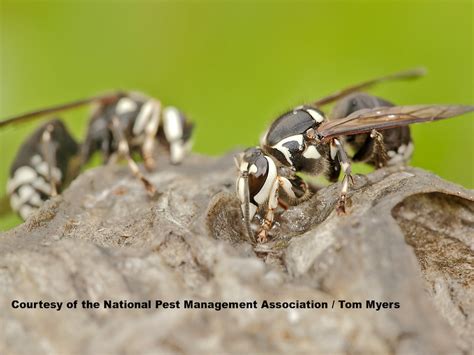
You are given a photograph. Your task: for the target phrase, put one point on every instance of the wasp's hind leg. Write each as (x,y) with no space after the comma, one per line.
(124,151)
(337,150)
(379,156)
(293,191)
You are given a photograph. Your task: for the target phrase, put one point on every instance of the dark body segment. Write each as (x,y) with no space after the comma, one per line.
(288,142)
(294,122)
(397,142)
(41,167)
(99,133)
(123,123)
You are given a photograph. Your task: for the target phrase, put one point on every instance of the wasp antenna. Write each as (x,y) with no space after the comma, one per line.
(402,75)
(422,71)
(236,162)
(408,74)
(250,235)
(104,99)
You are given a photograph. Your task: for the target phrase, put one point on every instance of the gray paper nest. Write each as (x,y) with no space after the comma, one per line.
(408,238)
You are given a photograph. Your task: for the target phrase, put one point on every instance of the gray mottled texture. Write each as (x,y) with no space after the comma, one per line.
(408,238)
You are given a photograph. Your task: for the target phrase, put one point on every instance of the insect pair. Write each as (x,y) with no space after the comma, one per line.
(304,140)
(121,124)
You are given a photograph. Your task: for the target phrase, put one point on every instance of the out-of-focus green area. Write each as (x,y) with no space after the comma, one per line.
(234,66)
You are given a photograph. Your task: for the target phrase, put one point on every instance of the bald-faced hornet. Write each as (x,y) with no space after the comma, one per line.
(121,124)
(304,140)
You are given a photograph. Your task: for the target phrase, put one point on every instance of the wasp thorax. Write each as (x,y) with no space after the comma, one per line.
(291,139)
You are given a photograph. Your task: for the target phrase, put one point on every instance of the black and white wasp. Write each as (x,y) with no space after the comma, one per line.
(121,124)
(304,140)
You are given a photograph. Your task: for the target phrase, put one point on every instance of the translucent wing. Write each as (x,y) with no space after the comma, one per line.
(407,74)
(365,120)
(104,99)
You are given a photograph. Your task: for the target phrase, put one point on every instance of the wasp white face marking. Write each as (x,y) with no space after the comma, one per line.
(243,166)
(315,115)
(253,169)
(21,176)
(241,194)
(143,117)
(263,195)
(125,105)
(284,150)
(311,153)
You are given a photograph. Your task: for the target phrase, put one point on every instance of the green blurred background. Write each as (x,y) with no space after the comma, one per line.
(234,66)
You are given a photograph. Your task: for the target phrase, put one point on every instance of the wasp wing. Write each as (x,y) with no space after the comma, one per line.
(103,99)
(407,74)
(365,120)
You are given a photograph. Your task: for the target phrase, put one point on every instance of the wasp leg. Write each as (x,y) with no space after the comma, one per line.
(262,235)
(151,130)
(283,204)
(336,146)
(48,148)
(105,148)
(294,190)
(334,169)
(245,207)
(124,151)
(380,156)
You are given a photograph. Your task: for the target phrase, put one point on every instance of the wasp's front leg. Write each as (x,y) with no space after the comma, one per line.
(262,235)
(124,151)
(151,130)
(338,149)
(294,190)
